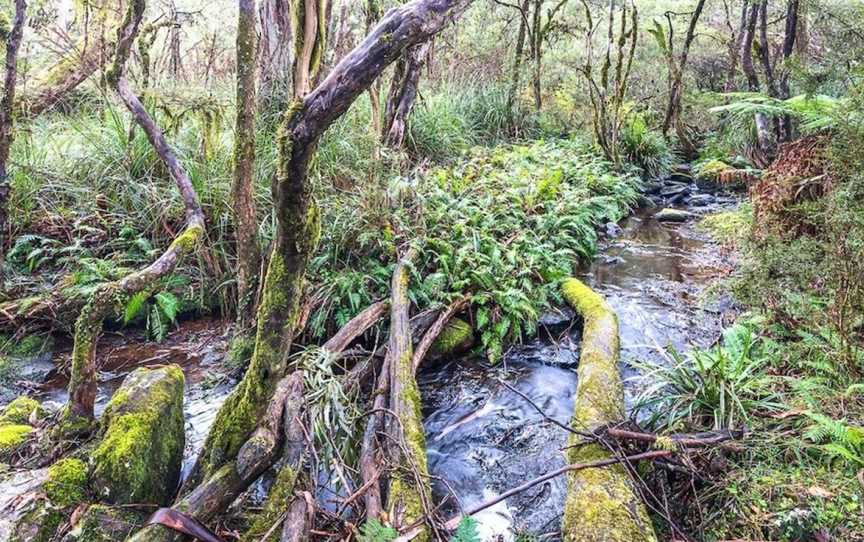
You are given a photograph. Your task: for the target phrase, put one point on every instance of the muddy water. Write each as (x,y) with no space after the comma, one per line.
(483,438)
(197,346)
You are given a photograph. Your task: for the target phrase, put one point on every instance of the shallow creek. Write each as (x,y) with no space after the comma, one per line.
(482,437)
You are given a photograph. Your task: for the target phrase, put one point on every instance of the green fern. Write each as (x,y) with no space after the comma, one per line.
(374,531)
(466,531)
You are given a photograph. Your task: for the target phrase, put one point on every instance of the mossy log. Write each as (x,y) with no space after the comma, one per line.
(408,484)
(601,504)
(280,426)
(140,455)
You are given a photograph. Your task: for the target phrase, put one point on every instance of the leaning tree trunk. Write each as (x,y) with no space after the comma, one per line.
(78,412)
(789,39)
(7,106)
(297,215)
(403,93)
(243,187)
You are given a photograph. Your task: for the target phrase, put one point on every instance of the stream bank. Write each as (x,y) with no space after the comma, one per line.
(483,437)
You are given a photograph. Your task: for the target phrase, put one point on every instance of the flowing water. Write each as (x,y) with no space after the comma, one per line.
(483,436)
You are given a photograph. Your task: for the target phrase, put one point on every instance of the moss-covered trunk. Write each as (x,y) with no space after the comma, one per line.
(297,216)
(7,106)
(242,189)
(601,503)
(408,488)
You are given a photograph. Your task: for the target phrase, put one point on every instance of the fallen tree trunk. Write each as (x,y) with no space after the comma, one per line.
(280,426)
(435,330)
(403,94)
(408,485)
(297,215)
(78,412)
(601,504)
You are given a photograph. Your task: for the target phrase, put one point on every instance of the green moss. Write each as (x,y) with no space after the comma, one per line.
(601,503)
(729,227)
(67,482)
(274,506)
(20,410)
(12,436)
(39,524)
(187,241)
(139,457)
(712,169)
(457,335)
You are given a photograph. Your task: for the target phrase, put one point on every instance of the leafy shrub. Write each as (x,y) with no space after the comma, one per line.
(719,388)
(645,148)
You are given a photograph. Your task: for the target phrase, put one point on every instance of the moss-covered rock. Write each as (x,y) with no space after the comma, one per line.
(40,524)
(21,410)
(457,336)
(139,457)
(100,523)
(12,436)
(601,503)
(67,482)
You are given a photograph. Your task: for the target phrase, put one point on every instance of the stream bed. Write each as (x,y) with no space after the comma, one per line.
(483,437)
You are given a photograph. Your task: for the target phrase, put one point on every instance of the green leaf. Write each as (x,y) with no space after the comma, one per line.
(134,306)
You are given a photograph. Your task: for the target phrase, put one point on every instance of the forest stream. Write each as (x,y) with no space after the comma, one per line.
(482,436)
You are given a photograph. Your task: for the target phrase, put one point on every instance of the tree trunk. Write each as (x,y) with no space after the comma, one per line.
(735,44)
(297,216)
(309,21)
(7,106)
(789,39)
(676,79)
(403,94)
(274,58)
(374,11)
(243,188)
(82,383)
(763,135)
(408,488)
(513,92)
(537,54)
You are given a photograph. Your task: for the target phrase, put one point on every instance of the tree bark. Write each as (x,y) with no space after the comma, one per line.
(537,54)
(374,11)
(309,21)
(274,58)
(403,93)
(515,77)
(763,135)
(102,303)
(297,215)
(243,187)
(408,488)
(789,40)
(7,107)
(676,81)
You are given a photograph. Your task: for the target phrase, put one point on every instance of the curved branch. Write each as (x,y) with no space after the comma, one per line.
(102,303)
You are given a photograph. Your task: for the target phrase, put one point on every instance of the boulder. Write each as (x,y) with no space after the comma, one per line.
(22,410)
(673,215)
(456,337)
(140,455)
(701,200)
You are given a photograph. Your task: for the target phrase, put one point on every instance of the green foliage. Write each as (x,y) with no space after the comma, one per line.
(815,112)
(160,312)
(718,388)
(645,148)
(466,531)
(373,531)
